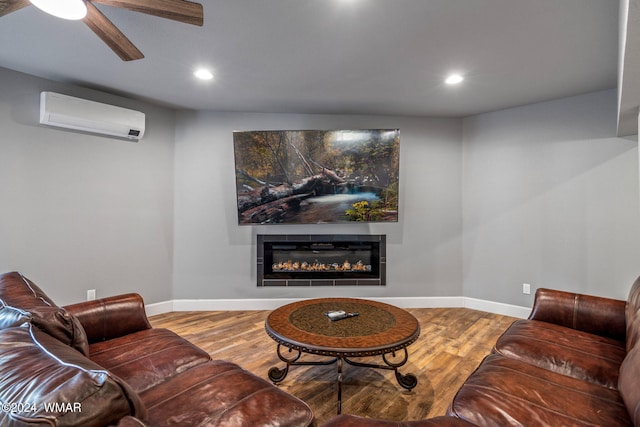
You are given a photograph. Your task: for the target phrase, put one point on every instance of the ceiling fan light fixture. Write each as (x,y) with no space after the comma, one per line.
(65,9)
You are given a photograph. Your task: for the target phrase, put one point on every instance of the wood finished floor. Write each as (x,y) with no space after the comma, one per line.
(452,343)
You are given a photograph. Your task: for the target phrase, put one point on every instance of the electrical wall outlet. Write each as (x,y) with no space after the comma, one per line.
(91,294)
(526,288)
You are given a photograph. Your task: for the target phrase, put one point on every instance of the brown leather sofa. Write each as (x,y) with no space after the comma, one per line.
(100,363)
(355,421)
(574,362)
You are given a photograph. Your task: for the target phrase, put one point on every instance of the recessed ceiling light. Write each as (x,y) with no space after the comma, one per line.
(454,79)
(203,74)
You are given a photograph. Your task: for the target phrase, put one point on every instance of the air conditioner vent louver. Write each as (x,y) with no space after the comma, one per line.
(80,114)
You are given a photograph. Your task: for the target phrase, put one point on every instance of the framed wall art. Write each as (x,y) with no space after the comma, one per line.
(317,176)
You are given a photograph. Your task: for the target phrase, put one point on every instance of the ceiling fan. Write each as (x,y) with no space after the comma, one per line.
(177,10)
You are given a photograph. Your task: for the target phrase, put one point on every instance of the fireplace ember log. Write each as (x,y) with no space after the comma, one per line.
(304,266)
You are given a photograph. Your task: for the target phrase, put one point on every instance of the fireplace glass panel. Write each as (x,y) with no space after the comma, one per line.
(299,260)
(322,260)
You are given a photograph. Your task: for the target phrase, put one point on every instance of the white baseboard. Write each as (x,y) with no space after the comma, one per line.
(271,304)
(159,308)
(498,308)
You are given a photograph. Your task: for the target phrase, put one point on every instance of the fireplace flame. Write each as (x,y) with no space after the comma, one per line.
(346,266)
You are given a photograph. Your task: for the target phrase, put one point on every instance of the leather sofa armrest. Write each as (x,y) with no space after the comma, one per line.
(587,313)
(111,317)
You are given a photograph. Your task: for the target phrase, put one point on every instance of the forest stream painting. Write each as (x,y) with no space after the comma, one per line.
(317,176)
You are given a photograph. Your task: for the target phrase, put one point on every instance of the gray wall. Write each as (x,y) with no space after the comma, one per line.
(542,194)
(215,258)
(80,211)
(551,199)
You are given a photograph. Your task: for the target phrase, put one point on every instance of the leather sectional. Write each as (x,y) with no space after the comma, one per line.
(574,362)
(100,363)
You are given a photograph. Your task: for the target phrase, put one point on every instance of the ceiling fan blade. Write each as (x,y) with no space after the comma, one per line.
(178,10)
(8,6)
(111,35)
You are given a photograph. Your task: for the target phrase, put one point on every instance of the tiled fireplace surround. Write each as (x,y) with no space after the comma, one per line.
(321,260)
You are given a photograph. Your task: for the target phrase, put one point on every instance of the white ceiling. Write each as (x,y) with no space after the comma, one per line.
(336,56)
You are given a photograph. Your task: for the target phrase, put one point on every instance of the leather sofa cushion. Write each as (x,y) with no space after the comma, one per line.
(18,292)
(39,370)
(563,350)
(11,316)
(220,393)
(147,358)
(504,391)
(22,292)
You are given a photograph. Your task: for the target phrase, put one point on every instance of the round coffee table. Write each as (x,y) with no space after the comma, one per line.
(378,329)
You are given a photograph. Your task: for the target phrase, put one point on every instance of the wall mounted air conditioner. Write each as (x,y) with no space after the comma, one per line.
(90,116)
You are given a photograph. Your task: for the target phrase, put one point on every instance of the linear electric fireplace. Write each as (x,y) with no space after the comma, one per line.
(321,260)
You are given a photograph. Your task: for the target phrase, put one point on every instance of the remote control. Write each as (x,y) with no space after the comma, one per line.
(340,314)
